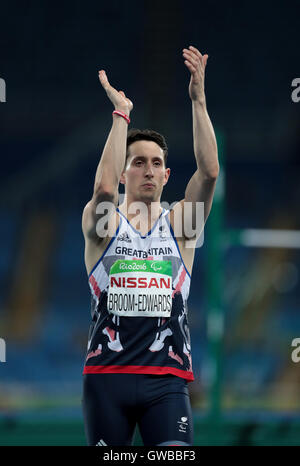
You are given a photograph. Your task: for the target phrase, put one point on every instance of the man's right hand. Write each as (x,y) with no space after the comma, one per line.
(118,99)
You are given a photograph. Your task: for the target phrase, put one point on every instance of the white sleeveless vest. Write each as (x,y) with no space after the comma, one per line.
(139,289)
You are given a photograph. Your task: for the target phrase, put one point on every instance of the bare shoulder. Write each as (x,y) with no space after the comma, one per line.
(96,245)
(186,246)
(176,219)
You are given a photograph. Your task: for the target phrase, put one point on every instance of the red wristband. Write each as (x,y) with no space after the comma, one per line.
(118,112)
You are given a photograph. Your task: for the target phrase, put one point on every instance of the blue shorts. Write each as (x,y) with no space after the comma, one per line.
(113,404)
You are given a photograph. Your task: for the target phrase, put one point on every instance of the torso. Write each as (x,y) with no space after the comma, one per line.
(95,249)
(139,288)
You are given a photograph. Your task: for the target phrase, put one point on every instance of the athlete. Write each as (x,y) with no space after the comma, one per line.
(138,362)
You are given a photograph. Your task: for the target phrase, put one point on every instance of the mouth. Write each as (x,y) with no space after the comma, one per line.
(148,185)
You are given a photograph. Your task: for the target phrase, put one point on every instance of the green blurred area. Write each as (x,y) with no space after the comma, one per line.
(71,433)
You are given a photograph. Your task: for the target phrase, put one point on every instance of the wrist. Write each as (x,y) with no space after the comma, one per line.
(200,101)
(121,114)
(123,110)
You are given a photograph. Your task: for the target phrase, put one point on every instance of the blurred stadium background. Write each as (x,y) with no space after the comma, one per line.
(245,301)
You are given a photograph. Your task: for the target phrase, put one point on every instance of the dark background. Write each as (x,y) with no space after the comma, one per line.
(53,127)
(50,55)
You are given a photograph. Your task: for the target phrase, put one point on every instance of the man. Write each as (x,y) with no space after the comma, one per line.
(138,361)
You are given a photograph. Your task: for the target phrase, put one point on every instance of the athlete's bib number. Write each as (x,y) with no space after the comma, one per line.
(140,288)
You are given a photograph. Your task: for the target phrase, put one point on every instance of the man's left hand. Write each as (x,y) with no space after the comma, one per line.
(196,63)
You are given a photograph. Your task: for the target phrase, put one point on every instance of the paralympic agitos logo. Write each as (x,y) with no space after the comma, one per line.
(155,267)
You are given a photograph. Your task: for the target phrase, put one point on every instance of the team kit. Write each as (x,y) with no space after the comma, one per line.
(147,279)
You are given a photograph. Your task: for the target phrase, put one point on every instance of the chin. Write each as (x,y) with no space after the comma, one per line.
(148,197)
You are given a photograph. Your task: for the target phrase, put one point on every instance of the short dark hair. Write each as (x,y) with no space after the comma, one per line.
(135,134)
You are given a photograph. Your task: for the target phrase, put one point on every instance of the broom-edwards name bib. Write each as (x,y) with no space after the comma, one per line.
(140,288)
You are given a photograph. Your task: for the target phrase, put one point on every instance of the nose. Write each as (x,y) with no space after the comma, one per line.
(149,170)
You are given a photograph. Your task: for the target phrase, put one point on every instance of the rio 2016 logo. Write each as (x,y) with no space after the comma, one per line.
(133,266)
(2,90)
(2,350)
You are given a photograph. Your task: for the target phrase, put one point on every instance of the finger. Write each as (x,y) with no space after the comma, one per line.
(190,66)
(205,58)
(192,58)
(196,51)
(103,78)
(102,74)
(193,55)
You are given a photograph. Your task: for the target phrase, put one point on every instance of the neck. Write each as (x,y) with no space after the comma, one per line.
(142,213)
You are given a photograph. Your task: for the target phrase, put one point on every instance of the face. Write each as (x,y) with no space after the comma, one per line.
(145,174)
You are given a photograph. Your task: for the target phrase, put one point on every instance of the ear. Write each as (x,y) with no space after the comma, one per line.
(122,178)
(167,174)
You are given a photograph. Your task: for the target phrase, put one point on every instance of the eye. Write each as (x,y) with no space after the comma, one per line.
(157,163)
(138,162)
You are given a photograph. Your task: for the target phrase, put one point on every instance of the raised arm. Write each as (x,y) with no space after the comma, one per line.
(111,163)
(202,184)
